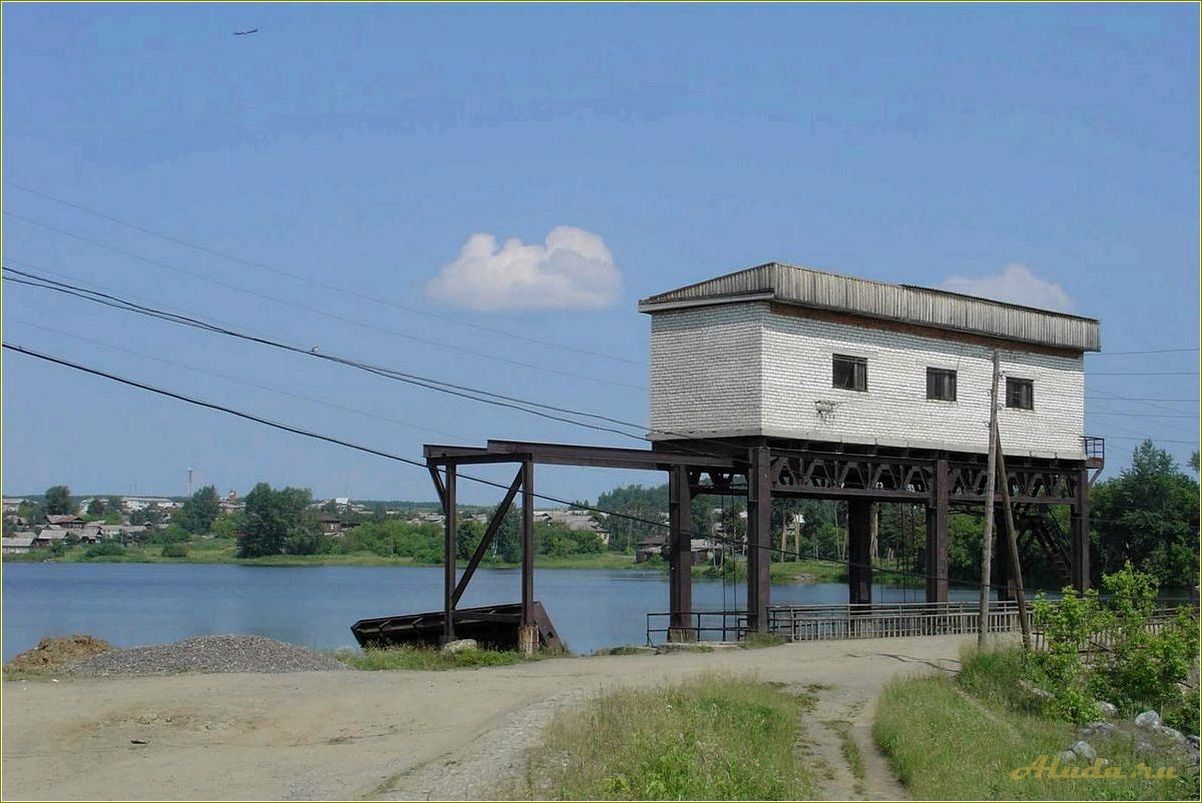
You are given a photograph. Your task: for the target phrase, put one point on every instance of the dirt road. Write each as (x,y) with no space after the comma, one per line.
(389,735)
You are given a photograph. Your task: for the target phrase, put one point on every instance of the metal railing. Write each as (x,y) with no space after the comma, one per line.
(702,626)
(1102,642)
(889,620)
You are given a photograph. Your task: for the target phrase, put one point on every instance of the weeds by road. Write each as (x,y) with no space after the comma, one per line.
(713,738)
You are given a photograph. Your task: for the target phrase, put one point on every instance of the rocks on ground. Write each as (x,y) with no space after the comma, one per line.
(208,654)
(1148,719)
(57,651)
(459,645)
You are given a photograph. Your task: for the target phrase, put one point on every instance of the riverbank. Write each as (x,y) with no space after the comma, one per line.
(222,551)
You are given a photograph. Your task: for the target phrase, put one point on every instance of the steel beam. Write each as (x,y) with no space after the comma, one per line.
(759,537)
(680,555)
(494,524)
(527,542)
(449,528)
(936,540)
(1080,534)
(859,554)
(609,456)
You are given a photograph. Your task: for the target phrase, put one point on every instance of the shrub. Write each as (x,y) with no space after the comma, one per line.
(105,549)
(174,551)
(1137,667)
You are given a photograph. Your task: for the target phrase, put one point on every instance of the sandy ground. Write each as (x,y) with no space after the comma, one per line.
(392,735)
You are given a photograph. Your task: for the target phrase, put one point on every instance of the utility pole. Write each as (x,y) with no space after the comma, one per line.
(990,482)
(1016,570)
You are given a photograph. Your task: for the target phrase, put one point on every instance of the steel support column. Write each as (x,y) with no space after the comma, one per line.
(936,541)
(528,631)
(859,552)
(759,537)
(1080,533)
(450,525)
(680,555)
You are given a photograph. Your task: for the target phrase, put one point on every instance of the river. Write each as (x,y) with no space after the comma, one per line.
(130,604)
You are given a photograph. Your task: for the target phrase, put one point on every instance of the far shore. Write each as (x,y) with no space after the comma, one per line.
(222,551)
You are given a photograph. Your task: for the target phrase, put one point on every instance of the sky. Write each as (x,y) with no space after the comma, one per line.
(480,194)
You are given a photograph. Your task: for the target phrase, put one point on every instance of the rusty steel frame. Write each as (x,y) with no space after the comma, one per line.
(857,474)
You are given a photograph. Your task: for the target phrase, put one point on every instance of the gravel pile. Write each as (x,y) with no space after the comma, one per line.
(233,653)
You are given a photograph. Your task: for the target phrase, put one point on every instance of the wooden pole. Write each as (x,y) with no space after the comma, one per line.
(990,482)
(1016,570)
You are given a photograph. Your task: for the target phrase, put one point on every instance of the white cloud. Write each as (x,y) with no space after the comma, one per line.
(1014,283)
(572,270)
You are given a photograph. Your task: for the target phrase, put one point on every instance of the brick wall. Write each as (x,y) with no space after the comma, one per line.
(740,368)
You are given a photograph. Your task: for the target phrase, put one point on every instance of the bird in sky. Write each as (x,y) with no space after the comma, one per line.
(246,33)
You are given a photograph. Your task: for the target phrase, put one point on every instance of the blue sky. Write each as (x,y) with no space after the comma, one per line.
(361,146)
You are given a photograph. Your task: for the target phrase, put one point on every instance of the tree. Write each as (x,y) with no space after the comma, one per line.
(1148,515)
(275,520)
(467,535)
(200,511)
(96,507)
(508,540)
(1193,462)
(58,500)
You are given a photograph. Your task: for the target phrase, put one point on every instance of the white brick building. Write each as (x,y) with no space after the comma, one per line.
(784,352)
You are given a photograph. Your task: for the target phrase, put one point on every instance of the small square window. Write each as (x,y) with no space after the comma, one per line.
(1020,393)
(849,373)
(941,384)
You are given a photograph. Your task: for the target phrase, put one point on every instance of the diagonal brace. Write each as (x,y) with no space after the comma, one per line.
(493,526)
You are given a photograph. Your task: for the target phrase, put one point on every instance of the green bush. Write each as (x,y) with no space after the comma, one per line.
(105,549)
(1138,668)
(174,551)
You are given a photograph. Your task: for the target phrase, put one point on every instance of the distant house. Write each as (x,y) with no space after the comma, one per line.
(648,548)
(18,543)
(50,536)
(332,524)
(67,521)
(132,503)
(90,534)
(580,521)
(16,521)
(12,504)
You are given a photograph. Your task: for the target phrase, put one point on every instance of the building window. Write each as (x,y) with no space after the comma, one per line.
(941,384)
(849,373)
(1020,393)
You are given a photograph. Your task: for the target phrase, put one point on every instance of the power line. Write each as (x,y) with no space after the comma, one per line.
(1143,373)
(236,380)
(420,464)
(1140,415)
(323,285)
(462,391)
(1109,397)
(316,310)
(1148,351)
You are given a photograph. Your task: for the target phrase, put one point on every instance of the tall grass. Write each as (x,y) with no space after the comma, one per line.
(949,739)
(429,658)
(714,738)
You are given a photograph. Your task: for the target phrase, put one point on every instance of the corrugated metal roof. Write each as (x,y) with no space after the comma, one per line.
(940,309)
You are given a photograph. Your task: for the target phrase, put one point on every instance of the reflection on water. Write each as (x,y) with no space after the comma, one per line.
(129,604)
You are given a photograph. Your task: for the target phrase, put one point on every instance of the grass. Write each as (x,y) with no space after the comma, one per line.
(429,658)
(756,640)
(713,738)
(962,738)
(851,752)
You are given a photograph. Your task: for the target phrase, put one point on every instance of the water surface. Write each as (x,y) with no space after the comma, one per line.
(130,604)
